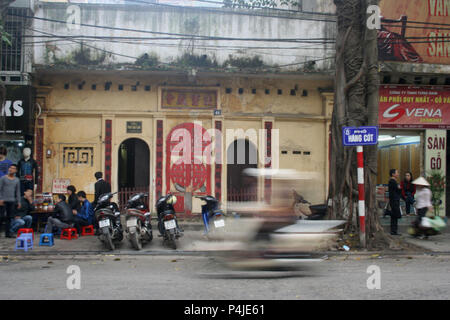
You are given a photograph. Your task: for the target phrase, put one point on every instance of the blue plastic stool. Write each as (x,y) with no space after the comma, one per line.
(24,242)
(46,239)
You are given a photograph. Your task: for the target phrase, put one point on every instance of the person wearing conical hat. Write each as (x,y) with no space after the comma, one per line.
(423,200)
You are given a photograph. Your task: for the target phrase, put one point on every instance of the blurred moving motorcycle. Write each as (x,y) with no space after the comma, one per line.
(270,236)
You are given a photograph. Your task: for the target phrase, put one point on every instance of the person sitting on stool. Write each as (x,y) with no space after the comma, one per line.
(85,216)
(23,219)
(62,216)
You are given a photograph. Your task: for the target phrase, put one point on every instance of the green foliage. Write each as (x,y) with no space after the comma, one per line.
(6,37)
(192,60)
(84,56)
(147,60)
(251,4)
(437,187)
(243,63)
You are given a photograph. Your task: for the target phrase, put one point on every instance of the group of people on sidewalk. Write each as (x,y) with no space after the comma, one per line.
(413,192)
(78,211)
(74,211)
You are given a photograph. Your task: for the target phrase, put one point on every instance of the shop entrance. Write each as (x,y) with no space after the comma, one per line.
(401,150)
(134,168)
(241,154)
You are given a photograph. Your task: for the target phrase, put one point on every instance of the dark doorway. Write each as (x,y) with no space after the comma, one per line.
(134,164)
(241,154)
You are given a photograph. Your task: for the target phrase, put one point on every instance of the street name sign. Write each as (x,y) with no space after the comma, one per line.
(360,136)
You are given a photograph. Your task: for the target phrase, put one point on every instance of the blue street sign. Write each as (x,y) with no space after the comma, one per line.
(361,136)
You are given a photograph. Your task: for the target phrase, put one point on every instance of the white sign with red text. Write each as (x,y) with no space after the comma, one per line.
(436,156)
(60,186)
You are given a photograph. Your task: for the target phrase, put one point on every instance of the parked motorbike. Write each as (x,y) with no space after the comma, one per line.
(306,211)
(107,214)
(139,227)
(167,220)
(212,213)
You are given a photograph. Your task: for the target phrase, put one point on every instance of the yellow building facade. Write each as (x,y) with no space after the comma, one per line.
(87,119)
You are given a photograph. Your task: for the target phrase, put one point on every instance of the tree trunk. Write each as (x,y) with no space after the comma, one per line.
(355,105)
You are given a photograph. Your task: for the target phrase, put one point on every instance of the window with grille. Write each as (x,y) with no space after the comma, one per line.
(12,55)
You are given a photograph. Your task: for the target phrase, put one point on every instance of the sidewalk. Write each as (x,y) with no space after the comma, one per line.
(438,243)
(193,233)
(92,245)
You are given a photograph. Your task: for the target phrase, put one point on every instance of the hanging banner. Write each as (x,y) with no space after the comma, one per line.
(18,110)
(415,31)
(414,107)
(436,157)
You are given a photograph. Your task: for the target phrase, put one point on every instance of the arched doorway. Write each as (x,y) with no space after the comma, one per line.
(134,168)
(241,154)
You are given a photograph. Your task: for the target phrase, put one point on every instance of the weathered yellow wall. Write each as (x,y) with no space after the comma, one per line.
(76,117)
(305,136)
(69,131)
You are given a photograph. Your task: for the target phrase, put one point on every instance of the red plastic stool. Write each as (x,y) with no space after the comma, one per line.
(25,230)
(87,230)
(69,234)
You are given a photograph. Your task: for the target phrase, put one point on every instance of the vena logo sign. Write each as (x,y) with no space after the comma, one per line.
(395,112)
(413,107)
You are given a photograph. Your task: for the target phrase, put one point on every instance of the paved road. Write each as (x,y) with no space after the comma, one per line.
(201,278)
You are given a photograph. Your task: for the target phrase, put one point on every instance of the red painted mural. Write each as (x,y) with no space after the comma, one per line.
(188,162)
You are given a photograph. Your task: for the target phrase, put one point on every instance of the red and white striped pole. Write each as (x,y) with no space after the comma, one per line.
(361,201)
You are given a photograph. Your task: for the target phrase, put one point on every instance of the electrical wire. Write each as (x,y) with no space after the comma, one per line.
(193,36)
(168,64)
(246,13)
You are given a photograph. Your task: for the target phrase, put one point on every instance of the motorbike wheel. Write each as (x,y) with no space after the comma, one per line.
(135,240)
(108,239)
(171,241)
(149,235)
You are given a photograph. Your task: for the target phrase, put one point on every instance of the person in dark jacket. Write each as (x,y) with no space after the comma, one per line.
(62,215)
(408,191)
(22,218)
(395,194)
(101,187)
(73,201)
(85,216)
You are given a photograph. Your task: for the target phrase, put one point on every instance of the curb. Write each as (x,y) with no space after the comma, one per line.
(374,254)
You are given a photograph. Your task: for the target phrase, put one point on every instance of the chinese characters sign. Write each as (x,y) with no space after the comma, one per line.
(60,186)
(415,31)
(134,126)
(414,107)
(189,99)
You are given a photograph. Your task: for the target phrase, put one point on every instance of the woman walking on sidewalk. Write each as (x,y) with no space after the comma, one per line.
(423,203)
